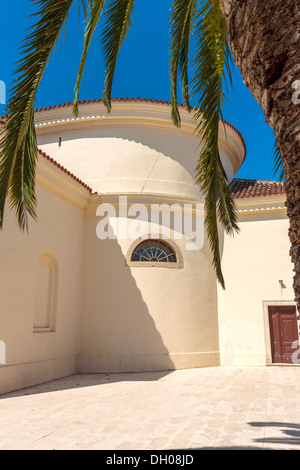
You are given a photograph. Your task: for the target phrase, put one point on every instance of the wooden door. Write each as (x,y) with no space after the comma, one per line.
(283,331)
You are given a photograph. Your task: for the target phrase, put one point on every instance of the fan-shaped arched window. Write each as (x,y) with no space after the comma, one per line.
(154,251)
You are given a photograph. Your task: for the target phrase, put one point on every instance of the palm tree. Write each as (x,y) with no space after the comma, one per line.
(262,36)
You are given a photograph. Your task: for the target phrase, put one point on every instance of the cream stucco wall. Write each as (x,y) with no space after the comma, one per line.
(253,263)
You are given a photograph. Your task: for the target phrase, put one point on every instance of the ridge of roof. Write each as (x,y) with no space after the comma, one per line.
(58,165)
(64,170)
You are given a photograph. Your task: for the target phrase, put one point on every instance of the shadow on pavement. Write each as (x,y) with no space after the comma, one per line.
(290,432)
(86,380)
(290,438)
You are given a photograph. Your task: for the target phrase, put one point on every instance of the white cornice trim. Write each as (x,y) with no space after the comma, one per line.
(261,204)
(144,198)
(59,182)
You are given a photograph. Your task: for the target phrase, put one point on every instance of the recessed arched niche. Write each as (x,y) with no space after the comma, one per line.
(46,293)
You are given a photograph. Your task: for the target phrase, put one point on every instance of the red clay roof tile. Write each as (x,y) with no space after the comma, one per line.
(58,165)
(44,155)
(244,188)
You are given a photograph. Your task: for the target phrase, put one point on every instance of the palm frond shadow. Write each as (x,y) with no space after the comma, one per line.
(290,432)
(289,440)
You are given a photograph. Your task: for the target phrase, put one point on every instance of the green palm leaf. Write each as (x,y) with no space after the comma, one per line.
(93,14)
(18,144)
(183,13)
(277,161)
(212,60)
(118,20)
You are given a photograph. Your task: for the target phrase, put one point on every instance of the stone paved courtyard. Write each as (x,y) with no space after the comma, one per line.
(209,408)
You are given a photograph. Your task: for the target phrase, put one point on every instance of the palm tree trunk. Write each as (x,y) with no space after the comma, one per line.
(264,37)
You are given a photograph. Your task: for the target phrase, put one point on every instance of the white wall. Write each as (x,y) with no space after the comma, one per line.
(253,263)
(33,357)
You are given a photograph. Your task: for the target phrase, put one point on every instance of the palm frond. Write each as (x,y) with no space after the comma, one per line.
(18,143)
(23,179)
(183,13)
(83,4)
(94,10)
(212,61)
(277,162)
(117,21)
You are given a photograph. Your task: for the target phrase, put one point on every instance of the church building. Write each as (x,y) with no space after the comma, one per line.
(116,274)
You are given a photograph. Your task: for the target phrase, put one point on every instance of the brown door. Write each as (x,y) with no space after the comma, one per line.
(284,331)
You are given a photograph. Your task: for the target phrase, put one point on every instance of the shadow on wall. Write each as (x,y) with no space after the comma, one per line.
(133,153)
(118,334)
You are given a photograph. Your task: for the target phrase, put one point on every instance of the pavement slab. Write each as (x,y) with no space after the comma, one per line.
(209,408)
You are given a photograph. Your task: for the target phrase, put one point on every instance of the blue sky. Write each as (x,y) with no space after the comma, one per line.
(142,71)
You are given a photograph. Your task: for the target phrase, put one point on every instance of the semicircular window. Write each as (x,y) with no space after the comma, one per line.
(154,251)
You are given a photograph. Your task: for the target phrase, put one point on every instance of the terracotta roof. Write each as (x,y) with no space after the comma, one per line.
(243,188)
(63,105)
(58,165)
